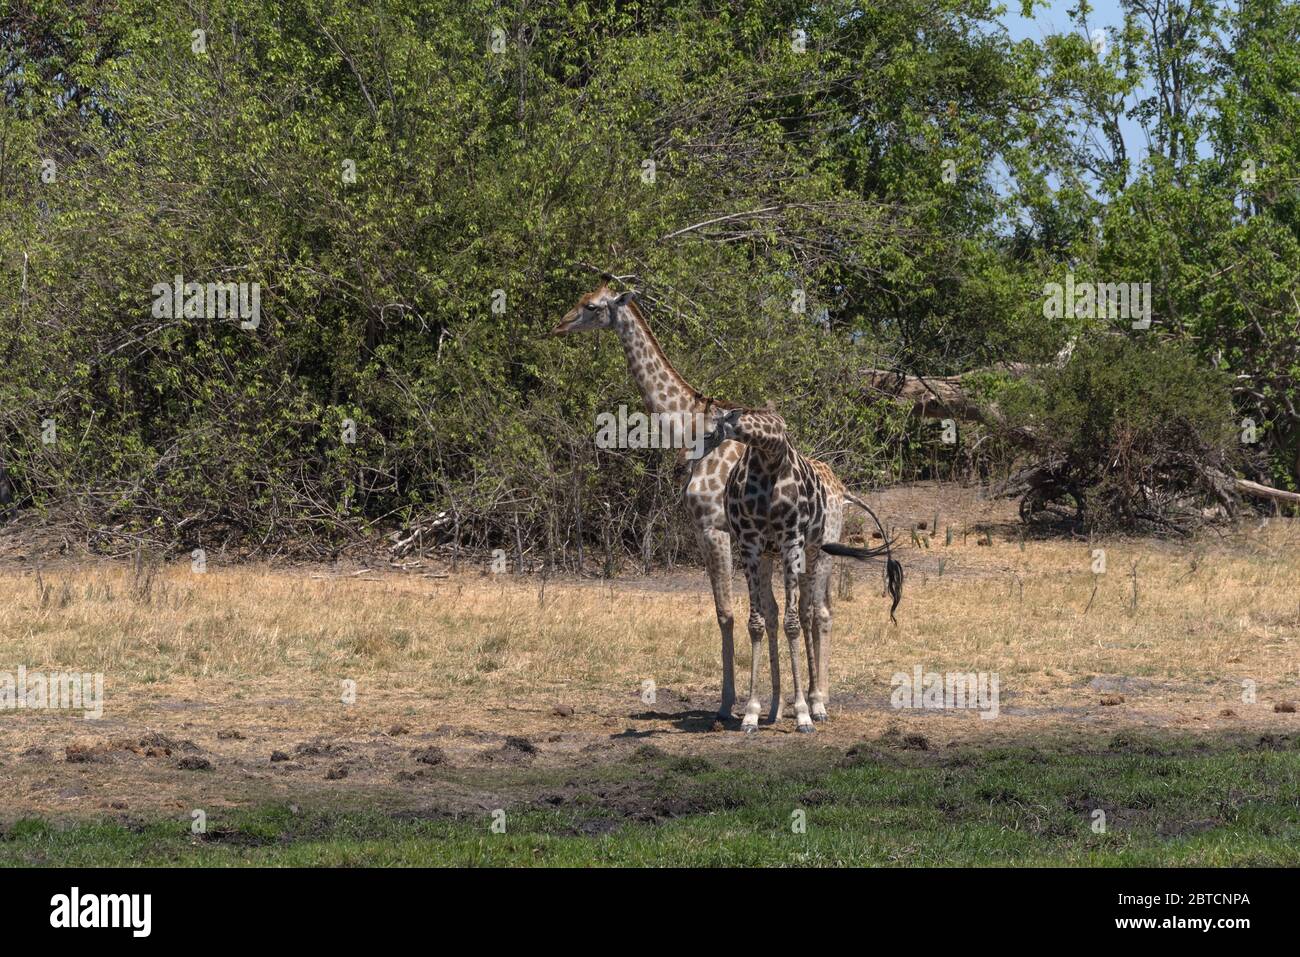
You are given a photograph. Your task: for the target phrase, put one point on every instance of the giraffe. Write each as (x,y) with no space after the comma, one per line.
(779,502)
(663,389)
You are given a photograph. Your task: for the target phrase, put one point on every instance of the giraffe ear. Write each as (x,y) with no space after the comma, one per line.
(624,299)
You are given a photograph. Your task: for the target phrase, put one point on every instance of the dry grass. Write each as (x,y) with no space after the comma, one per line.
(1214,610)
(465,660)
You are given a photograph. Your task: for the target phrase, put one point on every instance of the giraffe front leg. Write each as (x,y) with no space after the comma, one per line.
(805,623)
(716,546)
(756,629)
(770,616)
(794,563)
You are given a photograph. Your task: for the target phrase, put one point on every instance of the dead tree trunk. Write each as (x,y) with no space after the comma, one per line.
(944,397)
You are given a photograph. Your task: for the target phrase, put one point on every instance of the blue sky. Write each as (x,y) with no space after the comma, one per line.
(1054,18)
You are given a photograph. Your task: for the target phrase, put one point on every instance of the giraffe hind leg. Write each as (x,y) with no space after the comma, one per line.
(821,636)
(753,578)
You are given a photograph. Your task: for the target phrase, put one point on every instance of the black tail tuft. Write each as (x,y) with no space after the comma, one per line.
(894,582)
(893,570)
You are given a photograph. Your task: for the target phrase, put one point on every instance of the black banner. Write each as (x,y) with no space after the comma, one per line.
(215,906)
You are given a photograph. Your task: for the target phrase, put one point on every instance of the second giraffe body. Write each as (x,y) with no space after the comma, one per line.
(778,506)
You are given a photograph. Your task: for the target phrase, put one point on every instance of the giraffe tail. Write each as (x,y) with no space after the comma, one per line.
(893,569)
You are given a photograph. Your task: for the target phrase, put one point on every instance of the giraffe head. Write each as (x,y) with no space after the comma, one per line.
(760,427)
(595,310)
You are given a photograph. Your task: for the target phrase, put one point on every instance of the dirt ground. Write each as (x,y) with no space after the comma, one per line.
(472,691)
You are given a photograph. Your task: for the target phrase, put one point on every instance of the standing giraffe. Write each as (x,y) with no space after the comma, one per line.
(664,390)
(779,503)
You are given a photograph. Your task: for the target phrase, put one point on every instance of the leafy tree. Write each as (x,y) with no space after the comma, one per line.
(420,189)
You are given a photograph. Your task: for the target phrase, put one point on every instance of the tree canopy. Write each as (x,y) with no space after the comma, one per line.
(418,190)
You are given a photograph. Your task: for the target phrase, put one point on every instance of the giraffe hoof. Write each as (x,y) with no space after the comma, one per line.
(806,729)
(823,716)
(750,728)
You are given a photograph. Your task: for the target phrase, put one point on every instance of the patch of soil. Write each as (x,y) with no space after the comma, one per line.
(156,744)
(474,734)
(1125,685)
(430,755)
(85,753)
(865,754)
(319,748)
(516,750)
(642,801)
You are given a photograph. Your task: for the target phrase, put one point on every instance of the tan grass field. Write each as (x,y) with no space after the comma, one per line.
(206,675)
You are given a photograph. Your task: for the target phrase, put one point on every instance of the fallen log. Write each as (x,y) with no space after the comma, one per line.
(943,397)
(1254,489)
(937,397)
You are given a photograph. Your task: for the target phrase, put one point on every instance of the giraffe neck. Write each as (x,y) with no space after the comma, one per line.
(662,387)
(771,448)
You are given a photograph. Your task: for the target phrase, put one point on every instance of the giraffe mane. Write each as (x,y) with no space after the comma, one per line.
(654,344)
(699,396)
(644,321)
